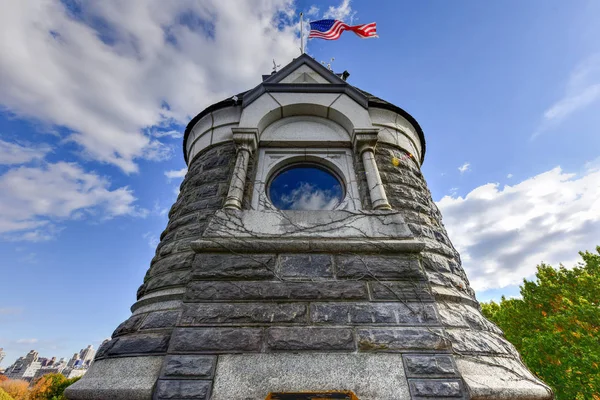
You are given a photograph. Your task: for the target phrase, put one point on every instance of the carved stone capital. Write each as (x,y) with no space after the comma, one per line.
(245,138)
(364,139)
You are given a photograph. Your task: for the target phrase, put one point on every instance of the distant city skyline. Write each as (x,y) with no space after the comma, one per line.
(31,366)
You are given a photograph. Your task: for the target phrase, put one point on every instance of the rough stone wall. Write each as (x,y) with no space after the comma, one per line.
(203,191)
(197,307)
(475,342)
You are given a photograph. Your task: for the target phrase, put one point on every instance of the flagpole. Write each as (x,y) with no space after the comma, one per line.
(301,34)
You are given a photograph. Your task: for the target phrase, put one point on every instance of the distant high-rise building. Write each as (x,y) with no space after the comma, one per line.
(87,354)
(25,367)
(73,360)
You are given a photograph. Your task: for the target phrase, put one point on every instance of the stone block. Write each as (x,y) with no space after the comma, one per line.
(192,230)
(173,262)
(400,291)
(230,266)
(126,378)
(201,367)
(160,319)
(140,344)
(275,290)
(429,388)
(216,340)
(210,176)
(426,365)
(242,313)
(487,343)
(252,376)
(373,313)
(378,267)
(130,325)
(310,338)
(401,339)
(177,278)
(306,266)
(183,389)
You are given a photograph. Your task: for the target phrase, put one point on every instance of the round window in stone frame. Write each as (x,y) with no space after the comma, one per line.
(338,161)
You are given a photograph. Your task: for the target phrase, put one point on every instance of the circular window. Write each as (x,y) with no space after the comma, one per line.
(305,187)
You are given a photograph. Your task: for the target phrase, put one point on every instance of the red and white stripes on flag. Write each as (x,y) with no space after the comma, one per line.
(331,29)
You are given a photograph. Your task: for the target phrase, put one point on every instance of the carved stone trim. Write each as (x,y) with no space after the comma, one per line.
(364,141)
(331,246)
(246,140)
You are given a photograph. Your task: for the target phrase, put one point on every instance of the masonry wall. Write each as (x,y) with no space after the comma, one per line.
(196,308)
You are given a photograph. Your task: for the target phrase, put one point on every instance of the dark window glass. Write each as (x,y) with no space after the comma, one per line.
(305,187)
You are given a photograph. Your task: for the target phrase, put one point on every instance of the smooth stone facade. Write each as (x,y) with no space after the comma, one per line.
(371,377)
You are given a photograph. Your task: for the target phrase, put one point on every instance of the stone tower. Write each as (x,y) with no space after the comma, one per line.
(259,290)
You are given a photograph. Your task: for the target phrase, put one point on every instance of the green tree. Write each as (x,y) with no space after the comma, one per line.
(51,387)
(556,326)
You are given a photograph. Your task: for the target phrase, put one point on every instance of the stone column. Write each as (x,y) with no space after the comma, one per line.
(364,144)
(246,140)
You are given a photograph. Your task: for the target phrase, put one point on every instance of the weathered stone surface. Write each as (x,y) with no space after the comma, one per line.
(216,339)
(103,349)
(210,176)
(172,263)
(464,316)
(306,265)
(275,290)
(428,365)
(160,319)
(435,388)
(380,267)
(373,313)
(127,378)
(500,377)
(130,325)
(243,313)
(194,231)
(140,344)
(252,376)
(400,291)
(482,342)
(398,339)
(228,266)
(189,366)
(177,278)
(183,389)
(309,338)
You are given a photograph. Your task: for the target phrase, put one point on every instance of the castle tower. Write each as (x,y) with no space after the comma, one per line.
(305,255)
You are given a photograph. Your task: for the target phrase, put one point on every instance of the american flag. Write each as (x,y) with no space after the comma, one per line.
(331,29)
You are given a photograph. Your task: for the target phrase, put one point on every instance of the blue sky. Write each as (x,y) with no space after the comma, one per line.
(94,97)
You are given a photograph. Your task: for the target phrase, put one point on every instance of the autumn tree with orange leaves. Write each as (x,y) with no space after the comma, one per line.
(16,389)
(556,326)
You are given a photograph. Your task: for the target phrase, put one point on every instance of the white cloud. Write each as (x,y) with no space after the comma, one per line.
(343,12)
(509,176)
(112,70)
(33,200)
(503,233)
(308,197)
(27,341)
(582,89)
(178,173)
(172,134)
(152,239)
(313,11)
(15,153)
(464,168)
